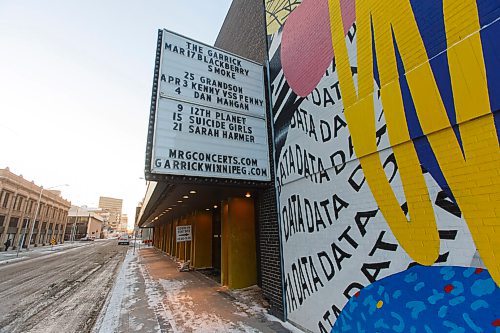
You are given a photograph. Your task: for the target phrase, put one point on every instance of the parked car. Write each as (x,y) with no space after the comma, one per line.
(124,239)
(86,239)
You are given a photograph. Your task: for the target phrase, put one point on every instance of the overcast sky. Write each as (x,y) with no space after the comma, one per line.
(75,89)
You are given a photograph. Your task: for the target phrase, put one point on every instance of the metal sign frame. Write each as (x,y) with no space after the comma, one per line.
(224,179)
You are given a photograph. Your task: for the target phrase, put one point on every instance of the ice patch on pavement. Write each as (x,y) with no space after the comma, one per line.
(111,318)
(286,324)
(155,302)
(181,306)
(174,307)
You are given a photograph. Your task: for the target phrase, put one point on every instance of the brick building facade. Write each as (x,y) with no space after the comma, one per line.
(18,205)
(386,122)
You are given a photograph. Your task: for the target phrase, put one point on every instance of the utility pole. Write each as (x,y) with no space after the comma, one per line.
(73,228)
(34,220)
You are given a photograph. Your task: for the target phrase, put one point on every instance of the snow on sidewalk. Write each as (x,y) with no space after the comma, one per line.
(150,295)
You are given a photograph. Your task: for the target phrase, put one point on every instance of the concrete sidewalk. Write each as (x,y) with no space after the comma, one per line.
(151,295)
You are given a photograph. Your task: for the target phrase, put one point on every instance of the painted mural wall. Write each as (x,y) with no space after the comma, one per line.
(387,125)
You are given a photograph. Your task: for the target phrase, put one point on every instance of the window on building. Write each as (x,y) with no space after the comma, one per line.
(13,222)
(5,199)
(29,206)
(2,220)
(16,199)
(25,223)
(19,203)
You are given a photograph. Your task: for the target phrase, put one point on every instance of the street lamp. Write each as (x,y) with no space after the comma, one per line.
(36,215)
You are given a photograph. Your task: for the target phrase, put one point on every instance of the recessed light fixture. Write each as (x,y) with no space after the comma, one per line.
(192,192)
(207,209)
(215,206)
(248,195)
(185,197)
(179,201)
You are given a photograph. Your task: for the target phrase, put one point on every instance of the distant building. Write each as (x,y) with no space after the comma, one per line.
(112,206)
(124,223)
(137,212)
(83,222)
(18,207)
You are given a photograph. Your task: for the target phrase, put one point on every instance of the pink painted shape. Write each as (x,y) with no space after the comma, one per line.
(306,46)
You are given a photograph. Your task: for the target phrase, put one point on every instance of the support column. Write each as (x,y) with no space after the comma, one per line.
(168,239)
(164,237)
(239,258)
(224,269)
(202,240)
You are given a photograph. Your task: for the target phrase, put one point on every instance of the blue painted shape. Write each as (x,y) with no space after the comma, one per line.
(425,154)
(411,277)
(353,306)
(483,287)
(447,272)
(368,301)
(387,298)
(478,305)
(435,297)
(456,301)
(430,21)
(497,123)
(454,327)
(471,323)
(442,311)
(400,326)
(360,329)
(419,286)
(375,65)
(416,307)
(381,324)
(469,271)
(465,303)
(488,10)
(458,288)
(491,55)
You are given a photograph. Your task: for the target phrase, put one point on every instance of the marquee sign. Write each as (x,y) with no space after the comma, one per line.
(209,113)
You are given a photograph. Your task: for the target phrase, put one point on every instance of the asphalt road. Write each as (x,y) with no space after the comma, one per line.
(61,292)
